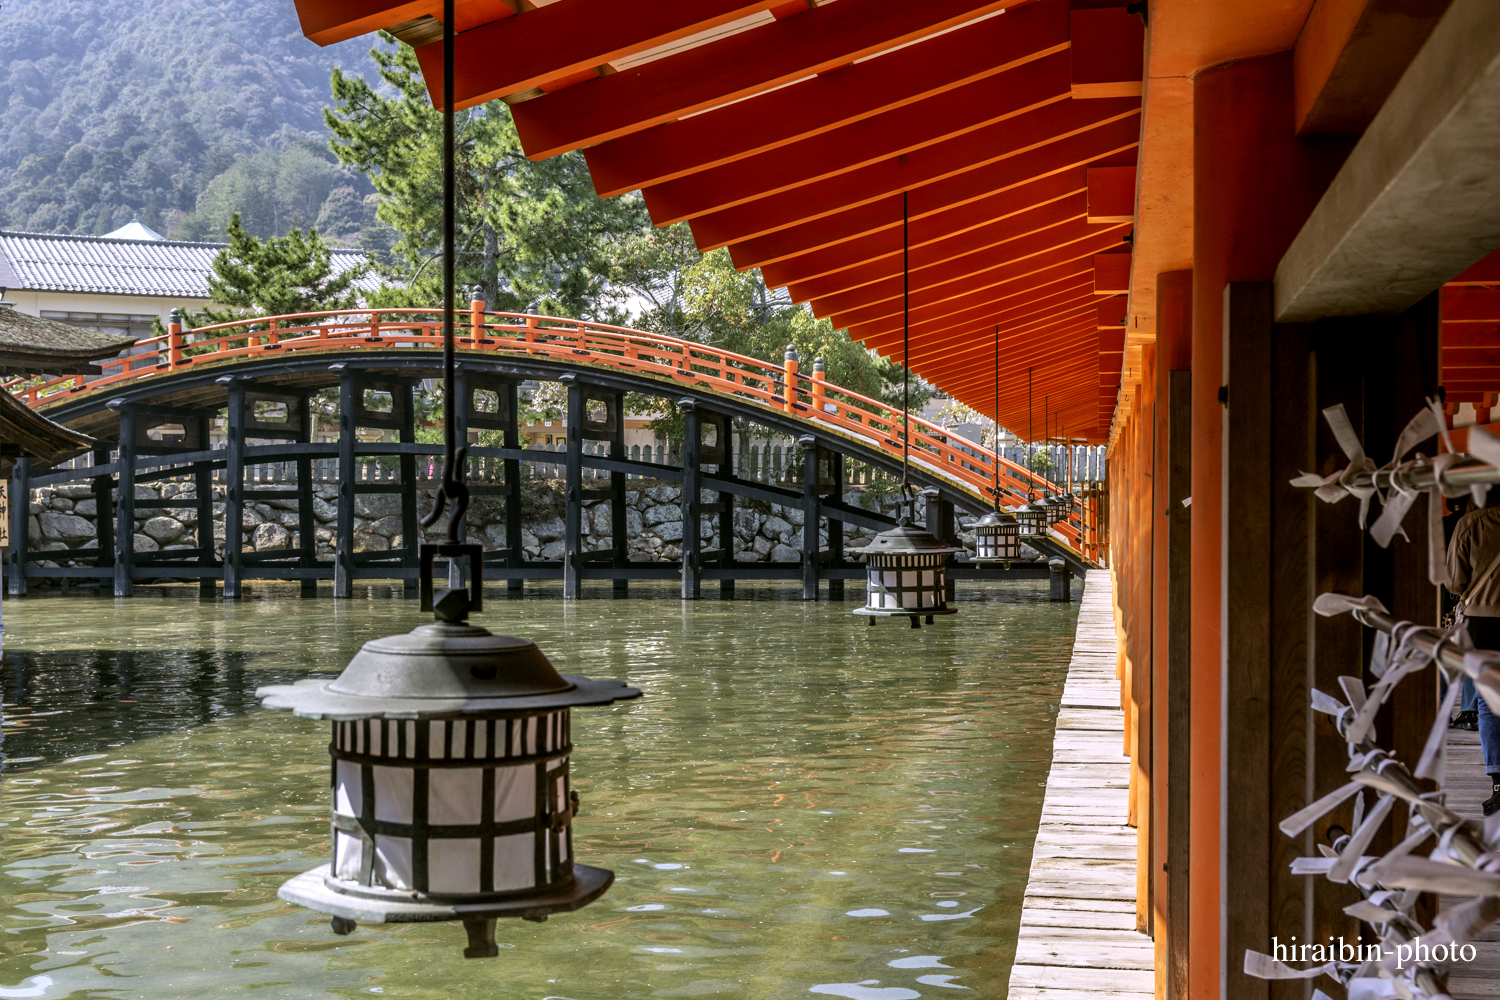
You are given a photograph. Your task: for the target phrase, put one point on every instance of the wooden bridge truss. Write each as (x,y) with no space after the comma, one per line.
(278,363)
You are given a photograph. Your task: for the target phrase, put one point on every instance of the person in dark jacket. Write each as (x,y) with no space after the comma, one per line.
(1474,547)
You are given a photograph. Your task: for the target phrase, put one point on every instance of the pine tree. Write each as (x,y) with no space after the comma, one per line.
(276,276)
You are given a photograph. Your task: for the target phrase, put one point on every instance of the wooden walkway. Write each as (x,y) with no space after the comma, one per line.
(1078,939)
(1468,786)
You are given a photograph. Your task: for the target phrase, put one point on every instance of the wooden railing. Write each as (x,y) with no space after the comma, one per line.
(783,388)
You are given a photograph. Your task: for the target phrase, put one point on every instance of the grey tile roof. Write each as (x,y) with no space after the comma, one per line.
(55,263)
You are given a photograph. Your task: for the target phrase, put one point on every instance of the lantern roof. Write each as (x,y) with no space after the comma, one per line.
(996,517)
(904,539)
(440,669)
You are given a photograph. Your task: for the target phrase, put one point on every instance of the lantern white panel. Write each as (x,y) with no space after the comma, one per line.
(927,576)
(437,740)
(348,789)
(453,864)
(515,793)
(453,795)
(348,856)
(393,861)
(909,598)
(515,862)
(393,794)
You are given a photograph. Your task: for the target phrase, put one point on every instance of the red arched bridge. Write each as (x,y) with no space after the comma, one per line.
(158,405)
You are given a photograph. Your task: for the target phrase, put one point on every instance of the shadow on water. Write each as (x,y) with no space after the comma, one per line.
(71,702)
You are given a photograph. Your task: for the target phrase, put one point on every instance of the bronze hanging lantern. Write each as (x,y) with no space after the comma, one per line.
(450,794)
(997,535)
(450,797)
(1032,518)
(997,538)
(906,567)
(906,574)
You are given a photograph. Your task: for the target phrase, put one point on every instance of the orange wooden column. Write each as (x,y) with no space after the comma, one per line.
(1254,185)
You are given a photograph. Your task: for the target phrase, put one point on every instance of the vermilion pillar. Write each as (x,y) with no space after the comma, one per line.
(1254,184)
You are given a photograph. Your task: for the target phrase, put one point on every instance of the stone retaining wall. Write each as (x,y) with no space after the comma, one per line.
(64,519)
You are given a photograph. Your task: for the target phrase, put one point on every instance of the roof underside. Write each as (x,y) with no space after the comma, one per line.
(788,130)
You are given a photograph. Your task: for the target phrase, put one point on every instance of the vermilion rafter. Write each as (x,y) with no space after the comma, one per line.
(1024,284)
(812,107)
(1060,238)
(566,38)
(891,134)
(729,69)
(1049,140)
(937,299)
(875,266)
(885,238)
(1066,297)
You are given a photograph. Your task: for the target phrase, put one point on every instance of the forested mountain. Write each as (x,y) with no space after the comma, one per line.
(178,110)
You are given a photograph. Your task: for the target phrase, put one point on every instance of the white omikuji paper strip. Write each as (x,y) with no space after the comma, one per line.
(1308,815)
(1355,849)
(1432,749)
(1437,876)
(1263,966)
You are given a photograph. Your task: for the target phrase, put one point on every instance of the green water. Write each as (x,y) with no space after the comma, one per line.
(800,806)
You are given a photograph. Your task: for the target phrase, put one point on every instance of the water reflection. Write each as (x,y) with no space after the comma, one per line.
(788,810)
(74,702)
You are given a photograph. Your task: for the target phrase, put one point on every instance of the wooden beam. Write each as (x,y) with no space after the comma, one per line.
(564,39)
(1109,53)
(1046,141)
(1349,57)
(1418,201)
(891,134)
(1111,196)
(740,66)
(1112,275)
(828,101)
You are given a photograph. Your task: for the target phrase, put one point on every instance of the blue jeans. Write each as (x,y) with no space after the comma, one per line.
(1489,738)
(1467,701)
(1485,632)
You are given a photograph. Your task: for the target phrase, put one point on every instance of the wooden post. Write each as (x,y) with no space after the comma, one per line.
(125,506)
(411,533)
(1179,680)
(307,524)
(1335,562)
(1170,677)
(1248,537)
(618,522)
(810,511)
(573,491)
(836,528)
(234,491)
(1289,707)
(727,469)
(343,542)
(937,517)
(203,487)
(104,503)
(692,542)
(515,552)
(20,525)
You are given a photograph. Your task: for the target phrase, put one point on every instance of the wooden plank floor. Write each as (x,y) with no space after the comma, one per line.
(1078,939)
(1468,786)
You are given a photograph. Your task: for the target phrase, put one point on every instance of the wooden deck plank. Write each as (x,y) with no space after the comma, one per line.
(1467,786)
(1077,939)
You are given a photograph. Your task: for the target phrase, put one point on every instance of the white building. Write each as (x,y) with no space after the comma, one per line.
(118,282)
